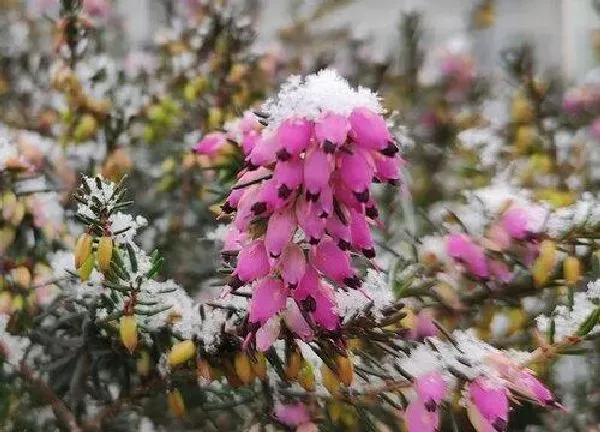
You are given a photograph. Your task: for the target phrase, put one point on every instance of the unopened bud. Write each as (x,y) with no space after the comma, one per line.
(143,364)
(21,276)
(293,366)
(571,270)
(128,332)
(540,273)
(83,248)
(548,254)
(306,377)
(345,370)
(9,204)
(18,214)
(105,251)
(182,352)
(175,403)
(86,268)
(259,366)
(330,380)
(243,368)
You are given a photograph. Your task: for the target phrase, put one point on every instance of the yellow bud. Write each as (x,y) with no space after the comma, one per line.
(157,114)
(128,332)
(215,116)
(345,369)
(87,267)
(330,380)
(83,248)
(548,254)
(143,364)
(182,352)
(259,366)
(17,303)
(5,302)
(524,137)
(521,109)
(243,368)
(189,92)
(571,270)
(86,128)
(9,203)
(21,276)
(7,236)
(175,403)
(540,272)
(105,251)
(293,366)
(18,214)
(306,377)
(149,134)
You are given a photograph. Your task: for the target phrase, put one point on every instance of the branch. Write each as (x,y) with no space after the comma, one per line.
(58,406)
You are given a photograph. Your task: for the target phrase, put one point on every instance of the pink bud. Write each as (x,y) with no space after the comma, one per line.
(263,153)
(268,199)
(387,169)
(268,298)
(292,415)
(249,141)
(424,326)
(500,271)
(339,232)
(489,404)
(317,169)
(361,234)
(245,214)
(232,200)
(325,313)
(462,248)
(310,220)
(331,131)
(280,229)
(431,388)
(334,263)
(293,137)
(288,176)
(210,144)
(292,264)
(369,129)
(253,262)
(325,202)
(268,333)
(356,172)
(308,284)
(514,221)
(418,419)
(294,320)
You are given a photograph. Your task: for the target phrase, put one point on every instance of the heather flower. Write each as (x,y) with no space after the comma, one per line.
(304,198)
(462,248)
(487,405)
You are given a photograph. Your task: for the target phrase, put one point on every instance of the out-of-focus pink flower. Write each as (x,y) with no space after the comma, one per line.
(463,249)
(514,221)
(595,129)
(210,144)
(423,326)
(418,419)
(96,8)
(292,415)
(432,389)
(500,271)
(487,405)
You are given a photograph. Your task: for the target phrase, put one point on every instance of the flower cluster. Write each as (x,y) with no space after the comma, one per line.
(303,203)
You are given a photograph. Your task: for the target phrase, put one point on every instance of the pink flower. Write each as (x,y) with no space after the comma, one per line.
(487,405)
(331,131)
(292,415)
(317,169)
(280,230)
(292,264)
(424,326)
(293,137)
(361,234)
(268,299)
(252,264)
(431,388)
(463,249)
(334,263)
(210,144)
(514,221)
(418,419)
(369,129)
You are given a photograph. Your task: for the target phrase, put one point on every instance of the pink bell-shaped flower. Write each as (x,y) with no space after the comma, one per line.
(369,129)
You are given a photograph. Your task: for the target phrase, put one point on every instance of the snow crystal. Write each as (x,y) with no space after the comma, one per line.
(121,221)
(12,346)
(567,322)
(485,141)
(308,98)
